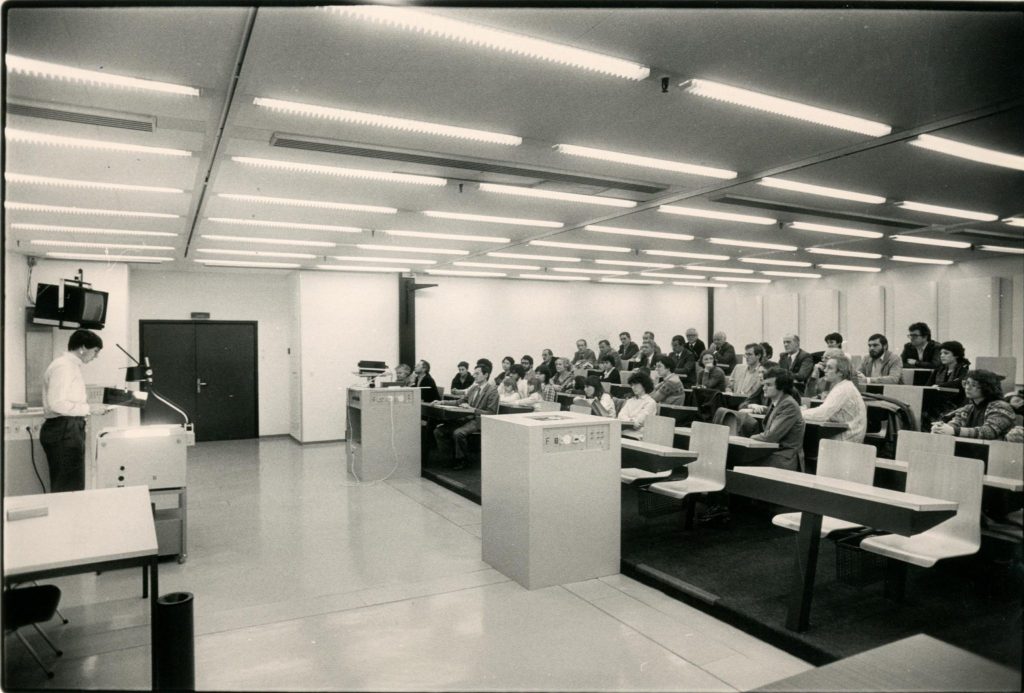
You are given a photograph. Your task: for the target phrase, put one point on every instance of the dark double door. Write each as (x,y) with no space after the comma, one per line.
(207,368)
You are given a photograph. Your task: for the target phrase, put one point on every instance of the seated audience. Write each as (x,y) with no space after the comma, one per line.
(423,379)
(628,348)
(725,353)
(921,351)
(834,340)
(578,383)
(480,398)
(512,388)
(527,363)
(1016,400)
(462,380)
(548,390)
(609,373)
(817,386)
(670,388)
(710,376)
(637,408)
(506,364)
(694,344)
(649,339)
(600,402)
(783,424)
(796,360)
(547,364)
(563,379)
(766,360)
(534,392)
(604,348)
(403,374)
(747,376)
(584,357)
(646,357)
(685,360)
(952,369)
(881,366)
(843,404)
(986,415)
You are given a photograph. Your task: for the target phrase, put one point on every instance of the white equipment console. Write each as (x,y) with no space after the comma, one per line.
(551,497)
(383,432)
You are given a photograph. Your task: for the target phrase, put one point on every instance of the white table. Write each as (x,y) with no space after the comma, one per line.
(83,531)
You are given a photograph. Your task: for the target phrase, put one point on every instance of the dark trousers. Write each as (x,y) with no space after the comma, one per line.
(459,436)
(63,441)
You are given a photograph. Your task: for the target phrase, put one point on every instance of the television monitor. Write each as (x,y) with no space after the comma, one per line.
(82,308)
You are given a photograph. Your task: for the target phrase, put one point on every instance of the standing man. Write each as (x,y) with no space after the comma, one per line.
(882,366)
(628,348)
(725,353)
(921,351)
(481,398)
(796,361)
(65,407)
(694,344)
(605,349)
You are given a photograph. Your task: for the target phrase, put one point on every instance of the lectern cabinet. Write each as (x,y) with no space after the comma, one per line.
(551,498)
(383,439)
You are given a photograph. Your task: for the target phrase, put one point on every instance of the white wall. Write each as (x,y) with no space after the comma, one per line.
(230,295)
(464,319)
(344,319)
(964,302)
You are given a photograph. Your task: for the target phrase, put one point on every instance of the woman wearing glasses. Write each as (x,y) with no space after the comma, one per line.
(986,414)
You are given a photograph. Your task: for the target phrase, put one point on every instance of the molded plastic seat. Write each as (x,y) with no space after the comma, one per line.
(630,474)
(30,606)
(659,430)
(908,442)
(950,478)
(707,472)
(837,459)
(547,406)
(1006,460)
(580,409)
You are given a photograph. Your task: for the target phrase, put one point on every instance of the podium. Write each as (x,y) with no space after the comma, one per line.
(383,439)
(551,497)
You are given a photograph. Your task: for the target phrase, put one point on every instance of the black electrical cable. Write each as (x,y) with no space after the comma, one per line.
(32,453)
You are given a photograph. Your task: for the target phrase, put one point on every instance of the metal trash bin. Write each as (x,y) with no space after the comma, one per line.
(174,647)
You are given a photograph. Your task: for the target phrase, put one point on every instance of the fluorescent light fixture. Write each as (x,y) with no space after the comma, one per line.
(639,232)
(494,220)
(27,207)
(784,107)
(969,151)
(948,211)
(792,185)
(465,273)
(362,268)
(920,240)
(526,256)
(728,270)
(554,278)
(851,268)
(1001,249)
(383,121)
(670,275)
(285,225)
(555,195)
(98,257)
(269,241)
(410,249)
(314,204)
(777,263)
(248,263)
(407,261)
(633,263)
(90,230)
(645,161)
(837,230)
(110,246)
(614,280)
(712,214)
(87,184)
(341,172)
(843,253)
(691,256)
(447,236)
(579,270)
(752,244)
(747,280)
(581,246)
(16,135)
(495,39)
(709,285)
(921,260)
(798,275)
(496,265)
(1014,221)
(39,68)
(256,253)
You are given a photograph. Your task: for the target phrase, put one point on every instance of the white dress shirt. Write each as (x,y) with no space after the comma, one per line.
(637,409)
(64,388)
(843,404)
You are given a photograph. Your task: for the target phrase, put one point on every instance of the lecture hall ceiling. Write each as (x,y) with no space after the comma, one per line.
(240,174)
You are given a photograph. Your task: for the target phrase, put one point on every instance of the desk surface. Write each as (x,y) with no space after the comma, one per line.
(82,528)
(652,449)
(738,441)
(1013,485)
(917,663)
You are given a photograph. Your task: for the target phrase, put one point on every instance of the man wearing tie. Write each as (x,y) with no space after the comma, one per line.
(796,361)
(480,398)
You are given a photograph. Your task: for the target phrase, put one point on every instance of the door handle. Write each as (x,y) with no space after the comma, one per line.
(199,385)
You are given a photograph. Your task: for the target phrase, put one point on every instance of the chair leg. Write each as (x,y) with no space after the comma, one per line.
(895,579)
(49,674)
(49,642)
(61,617)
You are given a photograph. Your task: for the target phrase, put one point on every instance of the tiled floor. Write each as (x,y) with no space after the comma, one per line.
(305,581)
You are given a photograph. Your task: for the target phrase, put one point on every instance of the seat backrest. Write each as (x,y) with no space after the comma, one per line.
(950,478)
(911,395)
(513,409)
(912,441)
(1005,460)
(624,376)
(840,459)
(547,406)
(580,408)
(855,361)
(659,430)
(712,442)
(1005,366)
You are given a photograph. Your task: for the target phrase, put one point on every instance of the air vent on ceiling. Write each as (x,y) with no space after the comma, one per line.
(85,116)
(289,142)
(816,212)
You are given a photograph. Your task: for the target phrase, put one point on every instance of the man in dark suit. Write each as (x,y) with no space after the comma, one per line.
(685,361)
(609,373)
(425,380)
(694,344)
(628,348)
(725,353)
(647,357)
(796,360)
(921,351)
(547,365)
(480,398)
(605,349)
